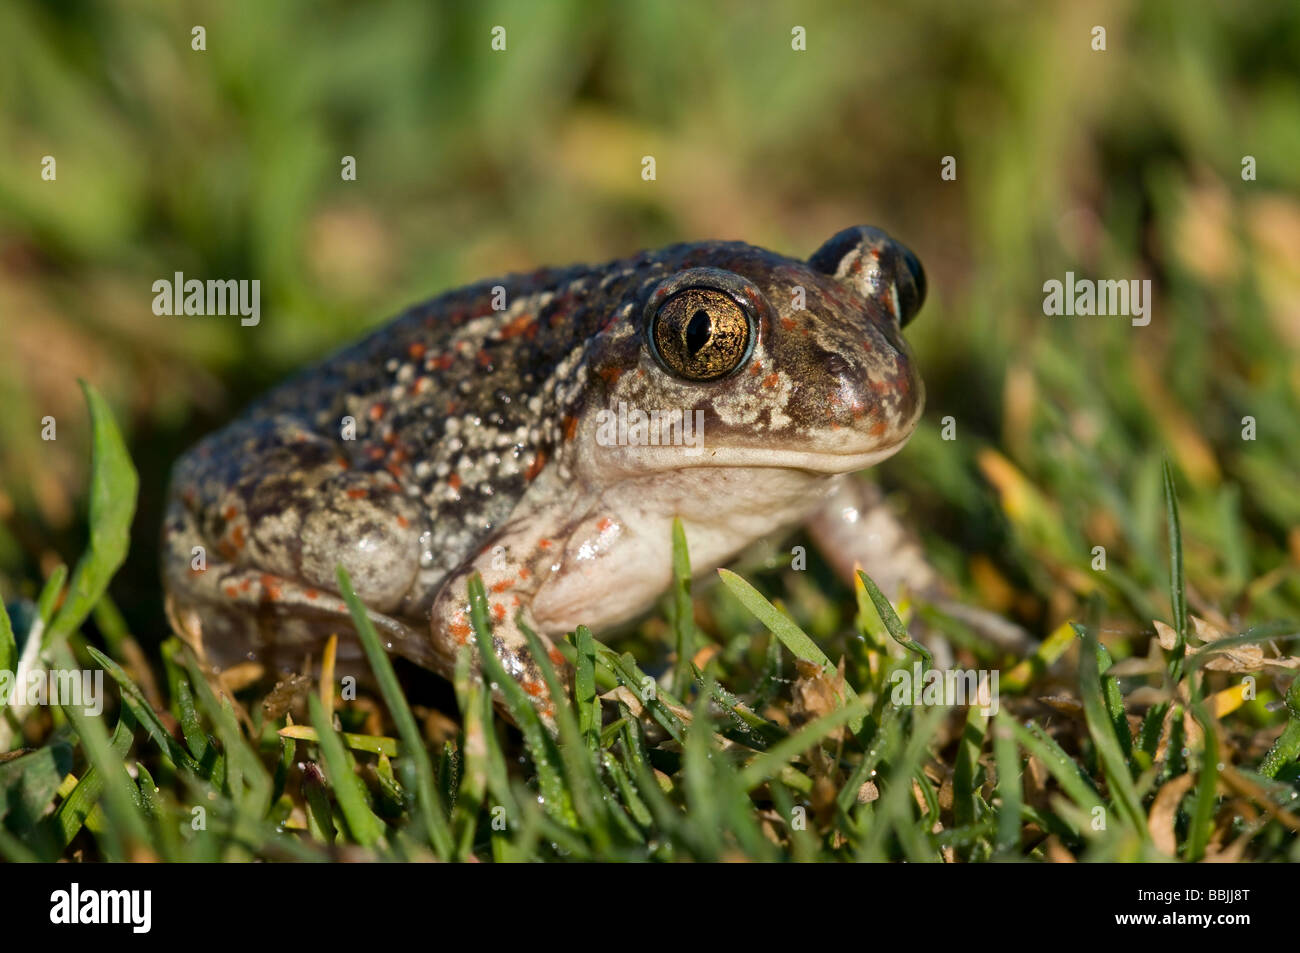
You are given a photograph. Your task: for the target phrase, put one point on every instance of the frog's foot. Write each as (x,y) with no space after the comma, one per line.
(855,526)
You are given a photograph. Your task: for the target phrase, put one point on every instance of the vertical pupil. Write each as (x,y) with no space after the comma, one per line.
(698,331)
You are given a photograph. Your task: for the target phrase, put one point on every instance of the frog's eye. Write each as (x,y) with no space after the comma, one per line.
(701,334)
(911,294)
(877,267)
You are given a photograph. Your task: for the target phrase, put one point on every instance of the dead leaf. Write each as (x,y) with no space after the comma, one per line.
(625,695)
(1063,704)
(288,695)
(1164,811)
(816,693)
(1056,852)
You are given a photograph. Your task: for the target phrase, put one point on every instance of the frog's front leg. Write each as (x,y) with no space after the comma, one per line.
(509,582)
(855,525)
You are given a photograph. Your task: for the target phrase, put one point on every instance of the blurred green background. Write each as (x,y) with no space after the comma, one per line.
(1125,163)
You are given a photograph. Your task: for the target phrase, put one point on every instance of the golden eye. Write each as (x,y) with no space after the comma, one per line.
(701,334)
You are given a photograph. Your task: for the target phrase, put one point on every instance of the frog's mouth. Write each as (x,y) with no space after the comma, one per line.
(812,461)
(754,457)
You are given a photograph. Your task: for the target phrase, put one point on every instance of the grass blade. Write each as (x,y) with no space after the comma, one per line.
(1177,587)
(427,797)
(683,611)
(365,827)
(113,487)
(1102,729)
(893,624)
(791,636)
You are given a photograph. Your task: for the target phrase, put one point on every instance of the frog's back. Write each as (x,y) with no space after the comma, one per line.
(441,417)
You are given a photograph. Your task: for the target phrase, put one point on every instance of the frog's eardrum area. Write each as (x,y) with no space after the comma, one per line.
(478,414)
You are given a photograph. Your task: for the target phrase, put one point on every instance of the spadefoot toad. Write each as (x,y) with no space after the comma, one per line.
(543,430)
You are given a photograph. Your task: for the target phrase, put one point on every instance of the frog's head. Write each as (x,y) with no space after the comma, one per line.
(786,363)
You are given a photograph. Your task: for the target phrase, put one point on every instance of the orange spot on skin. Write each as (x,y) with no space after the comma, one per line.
(271,586)
(237,537)
(229,513)
(231,591)
(604,524)
(755,369)
(403,522)
(453,481)
(461,632)
(498,612)
(535,467)
(570,427)
(520,325)
(543,544)
(442,362)
(358,494)
(503,585)
(556,656)
(484,359)
(523,572)
(771,380)
(342,462)
(877,429)
(416,350)
(311,593)
(245,585)
(533,688)
(787,323)
(376,411)
(610,375)
(514,601)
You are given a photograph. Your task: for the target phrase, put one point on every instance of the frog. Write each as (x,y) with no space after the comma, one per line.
(484,433)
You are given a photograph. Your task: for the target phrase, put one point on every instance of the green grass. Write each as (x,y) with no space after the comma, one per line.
(721,767)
